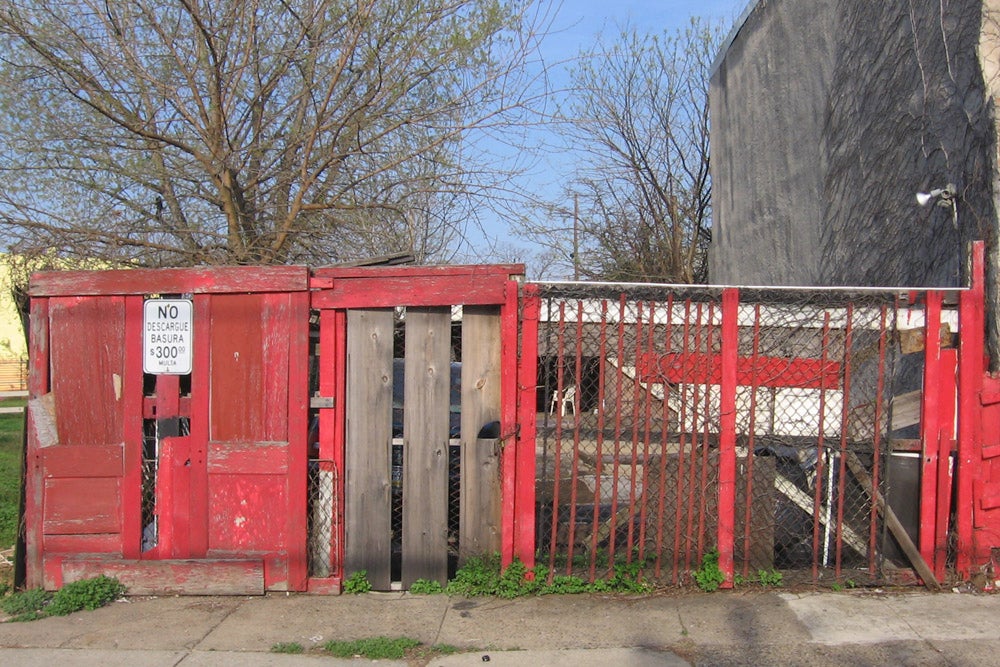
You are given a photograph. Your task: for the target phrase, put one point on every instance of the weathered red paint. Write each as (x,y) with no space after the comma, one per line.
(527,380)
(971,371)
(728,376)
(242,457)
(930,425)
(945,470)
(335,290)
(762,371)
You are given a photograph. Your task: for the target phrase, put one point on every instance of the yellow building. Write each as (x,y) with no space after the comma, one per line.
(13,348)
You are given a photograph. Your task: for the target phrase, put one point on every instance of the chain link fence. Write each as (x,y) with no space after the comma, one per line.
(628,428)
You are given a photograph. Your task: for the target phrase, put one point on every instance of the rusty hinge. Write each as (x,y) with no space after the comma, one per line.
(511,435)
(322,402)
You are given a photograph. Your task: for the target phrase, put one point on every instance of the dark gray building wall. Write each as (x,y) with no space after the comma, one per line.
(768,101)
(827,118)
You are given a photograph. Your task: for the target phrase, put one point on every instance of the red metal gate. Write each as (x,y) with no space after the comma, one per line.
(192,483)
(773,426)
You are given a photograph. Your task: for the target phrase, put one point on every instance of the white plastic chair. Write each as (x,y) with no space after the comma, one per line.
(568,398)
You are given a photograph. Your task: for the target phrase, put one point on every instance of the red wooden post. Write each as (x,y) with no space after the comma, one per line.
(201,397)
(297,330)
(527,381)
(330,438)
(173,484)
(38,386)
(508,422)
(946,444)
(930,424)
(130,511)
(970,384)
(727,433)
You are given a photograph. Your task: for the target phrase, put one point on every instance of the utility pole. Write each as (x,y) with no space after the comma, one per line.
(576,237)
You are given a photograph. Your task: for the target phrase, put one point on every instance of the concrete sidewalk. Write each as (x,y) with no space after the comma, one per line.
(725,628)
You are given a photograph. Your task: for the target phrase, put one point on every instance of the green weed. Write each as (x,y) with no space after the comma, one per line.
(372,648)
(357,583)
(426,587)
(24,602)
(445,649)
(766,578)
(84,594)
(481,576)
(770,578)
(709,577)
(287,647)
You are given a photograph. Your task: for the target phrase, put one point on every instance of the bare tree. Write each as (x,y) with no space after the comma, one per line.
(186,132)
(638,116)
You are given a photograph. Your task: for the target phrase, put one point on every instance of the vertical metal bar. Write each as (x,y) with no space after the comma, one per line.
(844,423)
(527,374)
(634,449)
(820,453)
(705,442)
(930,408)
(557,460)
(599,454)
(681,431)
(647,427)
(575,469)
(970,384)
(697,417)
(877,444)
(615,470)
(664,445)
(751,435)
(727,433)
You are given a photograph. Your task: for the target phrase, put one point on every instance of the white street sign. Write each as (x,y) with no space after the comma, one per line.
(167,325)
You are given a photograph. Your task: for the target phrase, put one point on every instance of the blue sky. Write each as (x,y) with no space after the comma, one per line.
(579,20)
(576,25)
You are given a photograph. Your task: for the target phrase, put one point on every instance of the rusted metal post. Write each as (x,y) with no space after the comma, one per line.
(527,381)
(727,433)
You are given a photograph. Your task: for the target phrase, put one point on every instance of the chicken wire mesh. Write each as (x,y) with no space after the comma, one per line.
(322,513)
(628,430)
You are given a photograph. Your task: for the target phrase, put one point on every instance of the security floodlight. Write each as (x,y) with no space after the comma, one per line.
(944,197)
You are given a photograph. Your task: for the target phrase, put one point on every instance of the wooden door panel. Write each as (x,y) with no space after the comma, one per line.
(425,445)
(78,506)
(87,357)
(368,440)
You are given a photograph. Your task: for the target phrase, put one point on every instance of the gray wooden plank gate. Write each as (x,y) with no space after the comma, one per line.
(422,363)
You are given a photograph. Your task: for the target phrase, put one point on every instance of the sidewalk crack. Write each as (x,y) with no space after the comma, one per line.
(192,646)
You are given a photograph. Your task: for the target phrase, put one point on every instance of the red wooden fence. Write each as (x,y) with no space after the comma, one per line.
(637,424)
